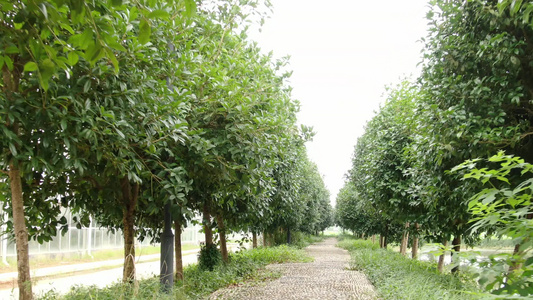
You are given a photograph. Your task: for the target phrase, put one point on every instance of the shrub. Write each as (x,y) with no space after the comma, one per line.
(209,257)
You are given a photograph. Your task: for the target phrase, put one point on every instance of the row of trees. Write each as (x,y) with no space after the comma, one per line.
(118,109)
(473,99)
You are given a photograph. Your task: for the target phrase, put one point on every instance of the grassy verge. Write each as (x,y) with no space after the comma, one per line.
(46,260)
(244,266)
(398,277)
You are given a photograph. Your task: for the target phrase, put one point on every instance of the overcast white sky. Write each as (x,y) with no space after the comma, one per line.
(343,53)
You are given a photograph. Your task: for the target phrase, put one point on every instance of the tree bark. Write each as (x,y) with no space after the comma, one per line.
(21,233)
(414,250)
(254,240)
(440,265)
(177,249)
(130,194)
(265,239)
(456,247)
(405,239)
(207,226)
(11,82)
(222,233)
(288,236)
(381,241)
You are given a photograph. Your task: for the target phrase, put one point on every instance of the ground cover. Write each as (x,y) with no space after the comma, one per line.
(398,277)
(247,265)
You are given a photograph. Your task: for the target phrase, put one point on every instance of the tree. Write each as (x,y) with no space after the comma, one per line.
(39,42)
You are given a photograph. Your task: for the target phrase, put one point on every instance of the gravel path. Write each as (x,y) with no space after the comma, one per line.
(325,278)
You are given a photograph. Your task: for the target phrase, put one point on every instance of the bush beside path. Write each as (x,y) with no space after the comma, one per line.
(328,277)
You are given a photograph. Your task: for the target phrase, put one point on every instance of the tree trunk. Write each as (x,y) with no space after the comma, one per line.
(222,233)
(11,81)
(440,265)
(414,250)
(264,239)
(288,236)
(177,249)
(456,247)
(207,226)
(21,233)
(254,240)
(373,239)
(381,241)
(130,195)
(405,239)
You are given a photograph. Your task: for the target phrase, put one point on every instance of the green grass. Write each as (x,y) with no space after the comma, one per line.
(47,260)
(246,265)
(398,277)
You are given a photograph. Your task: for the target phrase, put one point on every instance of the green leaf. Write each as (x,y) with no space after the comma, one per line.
(116,2)
(8,62)
(67,27)
(86,39)
(113,59)
(158,14)
(30,67)
(87,86)
(47,68)
(190,8)
(13,149)
(144,32)
(120,133)
(12,50)
(72,58)
(515,7)
(116,45)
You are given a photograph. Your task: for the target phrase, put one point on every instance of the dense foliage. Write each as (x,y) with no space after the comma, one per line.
(473,99)
(116,109)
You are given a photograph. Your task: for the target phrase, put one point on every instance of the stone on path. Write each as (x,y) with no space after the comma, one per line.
(328,277)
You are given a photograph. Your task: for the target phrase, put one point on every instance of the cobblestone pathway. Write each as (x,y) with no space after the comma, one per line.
(325,278)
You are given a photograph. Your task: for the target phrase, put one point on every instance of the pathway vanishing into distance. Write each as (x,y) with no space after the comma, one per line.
(327,277)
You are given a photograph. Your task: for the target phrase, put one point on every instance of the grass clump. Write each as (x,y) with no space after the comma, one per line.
(243,266)
(398,277)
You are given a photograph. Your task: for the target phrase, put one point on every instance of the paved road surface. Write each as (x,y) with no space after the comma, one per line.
(325,278)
